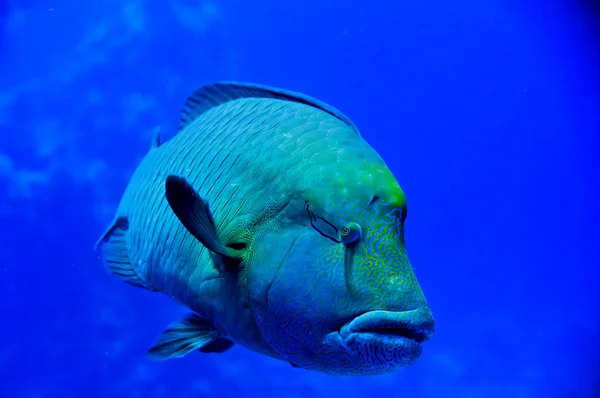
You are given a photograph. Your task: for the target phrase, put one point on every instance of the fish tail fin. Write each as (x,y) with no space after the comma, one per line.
(190,334)
(115,254)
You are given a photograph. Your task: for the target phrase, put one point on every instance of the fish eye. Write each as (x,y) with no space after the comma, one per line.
(351,233)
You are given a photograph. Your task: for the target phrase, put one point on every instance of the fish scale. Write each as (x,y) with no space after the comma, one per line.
(199,152)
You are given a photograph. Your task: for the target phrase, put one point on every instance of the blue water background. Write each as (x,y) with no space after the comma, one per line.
(488,113)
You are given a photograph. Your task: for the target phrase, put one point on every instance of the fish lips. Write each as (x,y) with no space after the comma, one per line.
(403,331)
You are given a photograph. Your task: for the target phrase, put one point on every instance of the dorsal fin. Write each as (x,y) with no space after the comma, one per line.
(218,93)
(155,138)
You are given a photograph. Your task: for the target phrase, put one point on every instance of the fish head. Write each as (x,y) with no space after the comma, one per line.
(335,290)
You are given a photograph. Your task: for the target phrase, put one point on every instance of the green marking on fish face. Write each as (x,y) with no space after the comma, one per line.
(338,253)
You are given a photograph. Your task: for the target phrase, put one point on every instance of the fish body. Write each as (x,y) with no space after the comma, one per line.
(280,228)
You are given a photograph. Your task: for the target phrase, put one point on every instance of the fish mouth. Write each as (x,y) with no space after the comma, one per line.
(378,341)
(412,327)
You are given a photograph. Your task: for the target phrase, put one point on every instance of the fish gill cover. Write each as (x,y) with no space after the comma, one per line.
(487,114)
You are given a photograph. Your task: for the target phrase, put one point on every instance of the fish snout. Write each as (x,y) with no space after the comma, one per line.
(416,325)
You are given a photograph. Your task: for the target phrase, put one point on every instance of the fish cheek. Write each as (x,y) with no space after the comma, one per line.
(304,301)
(266,255)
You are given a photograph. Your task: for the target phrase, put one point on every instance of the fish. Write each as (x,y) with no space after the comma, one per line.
(279,229)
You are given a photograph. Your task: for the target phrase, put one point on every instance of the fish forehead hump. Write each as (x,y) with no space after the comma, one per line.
(266,150)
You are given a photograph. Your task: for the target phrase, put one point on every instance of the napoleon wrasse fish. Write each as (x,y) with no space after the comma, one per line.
(280,228)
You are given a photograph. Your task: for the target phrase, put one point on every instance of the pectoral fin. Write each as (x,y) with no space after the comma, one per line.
(190,334)
(195,215)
